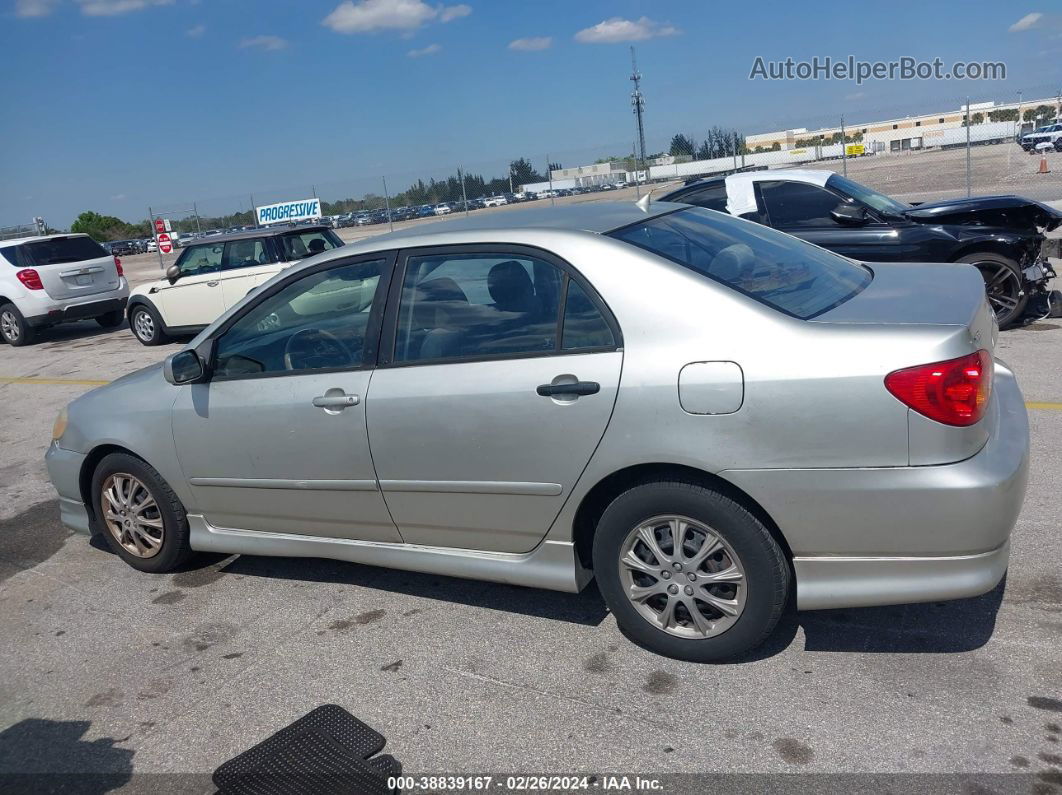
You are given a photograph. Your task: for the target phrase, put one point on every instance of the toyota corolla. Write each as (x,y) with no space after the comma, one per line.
(708,416)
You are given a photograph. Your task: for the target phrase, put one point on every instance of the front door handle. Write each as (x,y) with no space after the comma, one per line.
(578,388)
(340,401)
(213,284)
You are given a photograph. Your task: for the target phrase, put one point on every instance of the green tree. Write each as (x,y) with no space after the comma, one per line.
(682,146)
(107,227)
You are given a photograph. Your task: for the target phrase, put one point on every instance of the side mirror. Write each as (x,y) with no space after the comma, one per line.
(849,214)
(190,366)
(173,273)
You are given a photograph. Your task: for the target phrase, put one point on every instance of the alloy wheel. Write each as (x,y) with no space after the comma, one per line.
(682,577)
(131,515)
(9,326)
(1003,288)
(144,325)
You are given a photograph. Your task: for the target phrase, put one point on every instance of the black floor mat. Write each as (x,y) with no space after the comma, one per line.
(325,751)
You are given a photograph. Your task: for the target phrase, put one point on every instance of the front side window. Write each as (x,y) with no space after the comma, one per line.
(201,259)
(486,305)
(244,254)
(871,198)
(797,204)
(301,245)
(774,268)
(318,322)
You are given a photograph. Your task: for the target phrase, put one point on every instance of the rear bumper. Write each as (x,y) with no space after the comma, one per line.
(892,535)
(64,312)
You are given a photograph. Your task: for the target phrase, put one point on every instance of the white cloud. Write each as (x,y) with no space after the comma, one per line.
(34,8)
(367,16)
(371,16)
(1027,22)
(450,13)
(431,49)
(195,32)
(618,29)
(531,43)
(111,8)
(856,95)
(269,43)
(118,197)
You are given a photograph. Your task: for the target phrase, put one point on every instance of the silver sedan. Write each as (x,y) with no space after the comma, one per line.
(708,416)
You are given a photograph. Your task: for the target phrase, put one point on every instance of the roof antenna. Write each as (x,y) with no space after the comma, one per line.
(643,203)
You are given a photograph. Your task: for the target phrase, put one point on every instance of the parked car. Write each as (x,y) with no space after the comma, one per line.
(53,279)
(555,395)
(213,274)
(1002,236)
(494,201)
(123,248)
(151,246)
(1049,134)
(443,209)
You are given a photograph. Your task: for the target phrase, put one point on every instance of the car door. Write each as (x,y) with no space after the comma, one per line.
(195,298)
(803,210)
(276,441)
(498,376)
(245,264)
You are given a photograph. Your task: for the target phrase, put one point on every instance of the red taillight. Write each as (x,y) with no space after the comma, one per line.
(30,279)
(118,266)
(954,392)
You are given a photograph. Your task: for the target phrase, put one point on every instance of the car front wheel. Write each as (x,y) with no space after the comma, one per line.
(1004,285)
(688,572)
(138,514)
(146,325)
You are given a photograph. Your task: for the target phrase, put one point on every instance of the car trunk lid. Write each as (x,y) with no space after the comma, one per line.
(926,313)
(69,266)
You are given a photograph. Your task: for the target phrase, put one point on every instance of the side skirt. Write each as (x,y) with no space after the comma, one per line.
(552,565)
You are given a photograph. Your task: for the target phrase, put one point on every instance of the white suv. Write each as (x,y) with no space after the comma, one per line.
(214,273)
(55,278)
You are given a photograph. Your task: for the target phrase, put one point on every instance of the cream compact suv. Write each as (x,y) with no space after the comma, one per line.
(214,273)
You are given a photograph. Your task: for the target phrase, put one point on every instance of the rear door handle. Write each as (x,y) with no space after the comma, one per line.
(212,284)
(335,401)
(578,388)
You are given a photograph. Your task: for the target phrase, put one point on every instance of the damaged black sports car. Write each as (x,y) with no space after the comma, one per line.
(1002,236)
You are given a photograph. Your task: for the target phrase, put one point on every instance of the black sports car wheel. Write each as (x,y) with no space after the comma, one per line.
(1004,286)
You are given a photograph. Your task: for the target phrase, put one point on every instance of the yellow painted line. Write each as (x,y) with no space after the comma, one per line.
(1047,406)
(52,381)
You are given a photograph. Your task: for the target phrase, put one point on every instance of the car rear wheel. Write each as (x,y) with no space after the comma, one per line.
(146,325)
(13,327)
(1004,285)
(138,514)
(688,572)
(111,319)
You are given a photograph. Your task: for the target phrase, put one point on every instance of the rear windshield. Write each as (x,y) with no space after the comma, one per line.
(52,252)
(774,268)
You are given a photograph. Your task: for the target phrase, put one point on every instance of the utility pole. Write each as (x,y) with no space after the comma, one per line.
(638,104)
(387,204)
(254,213)
(195,211)
(844,148)
(967,147)
(464,196)
(549,171)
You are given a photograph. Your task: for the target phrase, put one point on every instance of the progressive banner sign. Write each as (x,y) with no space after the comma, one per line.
(286,212)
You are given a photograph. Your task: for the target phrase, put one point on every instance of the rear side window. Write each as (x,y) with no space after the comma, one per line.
(712,196)
(774,268)
(306,244)
(53,252)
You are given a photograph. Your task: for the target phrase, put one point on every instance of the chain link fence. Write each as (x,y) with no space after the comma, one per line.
(959,148)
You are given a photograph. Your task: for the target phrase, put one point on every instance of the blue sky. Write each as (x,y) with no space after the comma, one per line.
(117,104)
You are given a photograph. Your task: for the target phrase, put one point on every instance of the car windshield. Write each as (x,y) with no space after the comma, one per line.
(774,268)
(871,198)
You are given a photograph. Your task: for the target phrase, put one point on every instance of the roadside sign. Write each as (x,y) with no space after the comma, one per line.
(165,244)
(854,150)
(160,226)
(286,212)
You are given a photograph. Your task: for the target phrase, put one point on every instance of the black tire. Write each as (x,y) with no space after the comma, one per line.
(14,330)
(140,329)
(111,319)
(1004,285)
(174,549)
(765,567)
